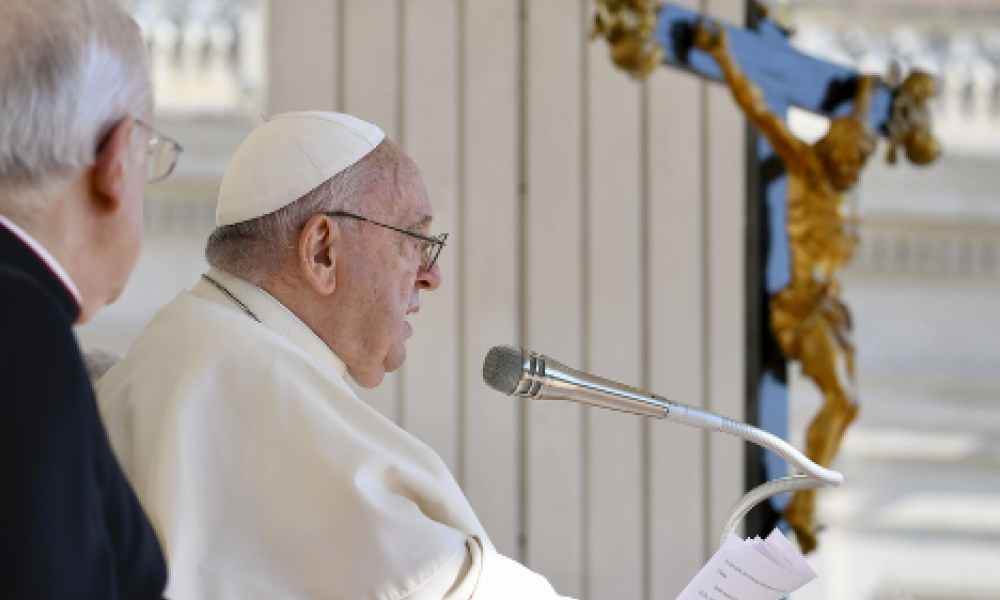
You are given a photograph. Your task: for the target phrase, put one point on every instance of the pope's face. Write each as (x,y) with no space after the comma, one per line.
(384,275)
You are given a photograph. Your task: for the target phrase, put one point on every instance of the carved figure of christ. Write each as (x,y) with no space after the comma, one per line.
(808,319)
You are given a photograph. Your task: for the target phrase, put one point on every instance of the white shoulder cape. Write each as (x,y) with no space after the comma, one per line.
(266,477)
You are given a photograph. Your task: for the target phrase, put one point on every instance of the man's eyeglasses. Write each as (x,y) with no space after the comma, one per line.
(432,245)
(163,152)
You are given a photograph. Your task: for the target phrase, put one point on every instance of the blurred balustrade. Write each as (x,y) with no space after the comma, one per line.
(208,75)
(207,55)
(961,48)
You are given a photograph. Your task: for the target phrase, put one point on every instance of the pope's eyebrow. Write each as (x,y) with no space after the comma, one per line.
(424,222)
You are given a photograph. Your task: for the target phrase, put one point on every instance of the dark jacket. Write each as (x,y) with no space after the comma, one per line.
(70,525)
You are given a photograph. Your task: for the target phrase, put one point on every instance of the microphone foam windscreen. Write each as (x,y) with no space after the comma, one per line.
(503,367)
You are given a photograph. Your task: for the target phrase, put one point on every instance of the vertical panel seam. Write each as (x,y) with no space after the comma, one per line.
(340,77)
(585,308)
(461,216)
(706,264)
(521,258)
(645,318)
(399,399)
(268,46)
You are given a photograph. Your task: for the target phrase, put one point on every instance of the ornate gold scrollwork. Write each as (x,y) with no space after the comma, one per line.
(909,125)
(629,26)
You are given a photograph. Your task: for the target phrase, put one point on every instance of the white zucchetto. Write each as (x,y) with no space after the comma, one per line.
(288,157)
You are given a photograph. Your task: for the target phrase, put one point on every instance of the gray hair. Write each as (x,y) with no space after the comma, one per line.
(70,70)
(252,249)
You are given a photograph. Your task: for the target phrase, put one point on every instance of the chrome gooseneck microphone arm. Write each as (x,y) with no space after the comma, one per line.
(526,374)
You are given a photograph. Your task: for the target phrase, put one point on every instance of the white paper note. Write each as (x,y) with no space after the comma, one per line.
(751,570)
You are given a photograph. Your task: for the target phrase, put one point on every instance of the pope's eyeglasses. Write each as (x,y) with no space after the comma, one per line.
(432,245)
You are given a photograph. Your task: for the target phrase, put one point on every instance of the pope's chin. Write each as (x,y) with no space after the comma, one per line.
(394,360)
(372,377)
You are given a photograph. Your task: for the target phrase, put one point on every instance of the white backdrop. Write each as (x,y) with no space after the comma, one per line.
(592,218)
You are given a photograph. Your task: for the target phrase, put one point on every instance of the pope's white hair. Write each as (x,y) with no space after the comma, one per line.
(70,70)
(259,247)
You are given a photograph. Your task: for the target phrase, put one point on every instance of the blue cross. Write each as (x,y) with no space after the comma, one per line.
(787,78)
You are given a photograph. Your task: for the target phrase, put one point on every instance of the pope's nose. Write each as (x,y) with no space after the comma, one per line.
(429,280)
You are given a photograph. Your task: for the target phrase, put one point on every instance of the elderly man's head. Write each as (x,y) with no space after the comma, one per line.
(73,81)
(352,281)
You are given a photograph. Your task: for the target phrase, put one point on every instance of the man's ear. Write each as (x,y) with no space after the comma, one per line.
(317,253)
(109,170)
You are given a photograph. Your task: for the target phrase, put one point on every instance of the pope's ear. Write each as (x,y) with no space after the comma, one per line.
(317,253)
(108,178)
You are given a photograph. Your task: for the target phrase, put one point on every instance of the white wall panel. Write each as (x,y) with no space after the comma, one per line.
(677,247)
(302,55)
(553,264)
(489,262)
(371,65)
(430,135)
(725,187)
(615,442)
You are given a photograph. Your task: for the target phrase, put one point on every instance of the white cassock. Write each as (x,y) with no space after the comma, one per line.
(266,477)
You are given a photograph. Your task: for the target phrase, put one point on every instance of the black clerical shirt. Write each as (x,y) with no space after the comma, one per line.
(70,525)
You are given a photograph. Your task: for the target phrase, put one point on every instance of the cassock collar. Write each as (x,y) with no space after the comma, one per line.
(272,314)
(45,256)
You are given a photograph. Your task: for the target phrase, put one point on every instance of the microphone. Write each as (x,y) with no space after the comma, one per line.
(518,372)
